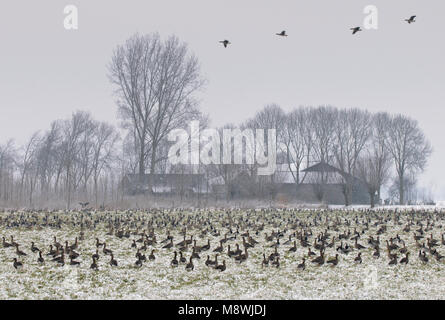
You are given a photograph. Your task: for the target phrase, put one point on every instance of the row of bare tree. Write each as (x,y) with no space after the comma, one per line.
(156,83)
(73,157)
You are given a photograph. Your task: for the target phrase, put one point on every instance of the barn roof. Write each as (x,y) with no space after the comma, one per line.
(322,167)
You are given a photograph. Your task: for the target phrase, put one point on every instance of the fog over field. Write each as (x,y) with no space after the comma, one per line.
(48,72)
(229,149)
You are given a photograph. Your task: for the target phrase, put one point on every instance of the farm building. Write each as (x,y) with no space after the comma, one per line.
(326,183)
(166,184)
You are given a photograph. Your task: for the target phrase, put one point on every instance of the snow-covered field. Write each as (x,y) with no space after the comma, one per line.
(373,279)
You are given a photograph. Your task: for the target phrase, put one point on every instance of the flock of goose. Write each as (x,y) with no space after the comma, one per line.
(215,237)
(354,30)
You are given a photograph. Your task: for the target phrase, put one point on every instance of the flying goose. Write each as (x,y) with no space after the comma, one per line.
(225,43)
(411,19)
(356,29)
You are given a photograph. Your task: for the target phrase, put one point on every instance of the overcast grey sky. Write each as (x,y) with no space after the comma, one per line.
(47,72)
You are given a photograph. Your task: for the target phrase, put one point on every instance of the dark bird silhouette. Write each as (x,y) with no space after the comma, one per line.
(17,264)
(356,29)
(282,34)
(40,258)
(221,267)
(225,43)
(302,265)
(411,19)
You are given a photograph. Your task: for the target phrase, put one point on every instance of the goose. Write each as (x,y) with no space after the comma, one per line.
(220,248)
(60,260)
(432,241)
(242,257)
(221,267)
(265,261)
(190,266)
(423,257)
(134,245)
(113,261)
(320,259)
(184,247)
(274,254)
(282,34)
(393,261)
(181,243)
(412,19)
(40,258)
(438,256)
(403,249)
(294,248)
(358,245)
(138,262)
(206,246)
(358,258)
(17,264)
(247,244)
(252,241)
(391,255)
(302,265)
(33,247)
(376,253)
(238,251)
(332,243)
(356,29)
(6,244)
(19,252)
(417,237)
(182,258)
(391,246)
(310,252)
(96,255)
(56,243)
(225,43)
(169,237)
(152,257)
(174,262)
(105,250)
(276,244)
(333,261)
(74,262)
(214,263)
(405,259)
(59,255)
(276,262)
(51,252)
(74,245)
(141,256)
(98,243)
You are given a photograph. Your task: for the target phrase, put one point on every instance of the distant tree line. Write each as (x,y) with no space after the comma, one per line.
(156,83)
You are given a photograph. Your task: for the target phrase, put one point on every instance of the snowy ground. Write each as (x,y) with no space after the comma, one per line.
(373,279)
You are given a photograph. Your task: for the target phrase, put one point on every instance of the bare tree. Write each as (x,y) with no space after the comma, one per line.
(156,81)
(408,147)
(28,164)
(373,172)
(103,152)
(353,128)
(296,141)
(7,166)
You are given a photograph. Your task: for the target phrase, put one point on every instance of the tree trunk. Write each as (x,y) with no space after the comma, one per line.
(371,197)
(401,190)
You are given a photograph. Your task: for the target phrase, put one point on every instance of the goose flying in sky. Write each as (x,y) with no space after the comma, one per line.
(225,43)
(411,19)
(355,30)
(282,34)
